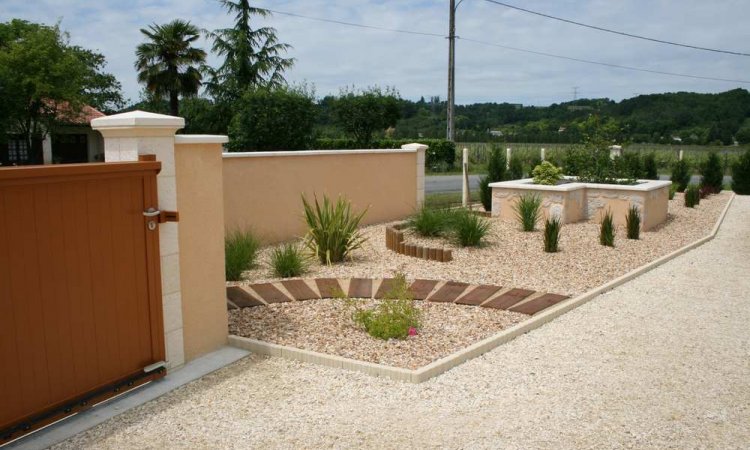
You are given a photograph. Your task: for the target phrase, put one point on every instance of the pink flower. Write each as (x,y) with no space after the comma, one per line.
(412,331)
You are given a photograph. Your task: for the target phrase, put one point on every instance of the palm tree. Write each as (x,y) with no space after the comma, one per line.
(251,57)
(167,63)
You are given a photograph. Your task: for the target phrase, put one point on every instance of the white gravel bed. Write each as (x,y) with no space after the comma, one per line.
(659,362)
(512,258)
(326,326)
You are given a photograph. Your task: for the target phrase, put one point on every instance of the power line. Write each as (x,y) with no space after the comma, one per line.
(358,25)
(621,33)
(517,49)
(599,63)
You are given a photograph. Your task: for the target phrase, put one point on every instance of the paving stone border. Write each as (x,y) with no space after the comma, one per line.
(487,296)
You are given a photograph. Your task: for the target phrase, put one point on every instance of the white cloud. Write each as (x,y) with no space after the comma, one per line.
(331,56)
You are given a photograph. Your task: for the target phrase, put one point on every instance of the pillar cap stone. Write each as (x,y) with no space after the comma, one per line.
(138,119)
(414,147)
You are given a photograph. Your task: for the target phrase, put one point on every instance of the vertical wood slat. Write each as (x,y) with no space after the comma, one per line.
(80,288)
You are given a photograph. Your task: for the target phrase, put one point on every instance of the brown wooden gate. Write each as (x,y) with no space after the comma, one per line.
(80,288)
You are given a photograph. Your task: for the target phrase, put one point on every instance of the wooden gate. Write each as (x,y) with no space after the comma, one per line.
(80,289)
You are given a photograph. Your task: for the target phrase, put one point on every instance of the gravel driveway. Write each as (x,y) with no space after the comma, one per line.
(661,362)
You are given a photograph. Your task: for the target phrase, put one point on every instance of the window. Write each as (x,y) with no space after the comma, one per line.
(18,151)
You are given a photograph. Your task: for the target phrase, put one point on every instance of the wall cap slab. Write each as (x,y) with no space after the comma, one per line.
(314,153)
(200,139)
(528,183)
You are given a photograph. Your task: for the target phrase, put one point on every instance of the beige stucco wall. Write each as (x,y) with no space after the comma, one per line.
(263,193)
(199,193)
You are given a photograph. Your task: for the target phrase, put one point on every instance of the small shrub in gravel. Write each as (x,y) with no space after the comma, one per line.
(712,174)
(692,196)
(552,229)
(607,230)
(527,210)
(469,229)
(681,175)
(741,174)
(288,261)
(240,253)
(633,222)
(672,191)
(333,229)
(395,317)
(485,193)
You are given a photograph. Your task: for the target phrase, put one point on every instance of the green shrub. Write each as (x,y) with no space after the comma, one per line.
(692,196)
(431,222)
(607,230)
(650,169)
(288,261)
(240,253)
(681,174)
(633,222)
(531,163)
(333,229)
(496,166)
(527,210)
(469,229)
(629,166)
(741,174)
(672,191)
(515,169)
(712,174)
(393,317)
(485,193)
(552,229)
(546,173)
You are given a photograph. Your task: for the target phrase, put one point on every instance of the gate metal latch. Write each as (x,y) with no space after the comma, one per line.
(163,216)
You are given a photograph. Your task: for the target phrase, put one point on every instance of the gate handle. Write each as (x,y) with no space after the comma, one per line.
(152,212)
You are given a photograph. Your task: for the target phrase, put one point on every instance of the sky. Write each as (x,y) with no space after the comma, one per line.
(331,56)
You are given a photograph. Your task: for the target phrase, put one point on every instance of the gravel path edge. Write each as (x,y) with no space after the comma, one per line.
(474,350)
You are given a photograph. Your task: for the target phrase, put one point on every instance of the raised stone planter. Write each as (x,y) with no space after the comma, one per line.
(574,202)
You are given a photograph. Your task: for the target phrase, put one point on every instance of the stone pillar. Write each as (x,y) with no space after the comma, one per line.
(543,154)
(508,155)
(420,149)
(141,133)
(681,154)
(466,197)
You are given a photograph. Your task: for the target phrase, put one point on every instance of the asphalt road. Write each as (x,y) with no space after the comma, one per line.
(452,183)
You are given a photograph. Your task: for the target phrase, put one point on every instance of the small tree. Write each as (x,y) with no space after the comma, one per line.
(273,119)
(712,174)
(741,174)
(649,166)
(681,175)
(363,113)
(515,171)
(495,172)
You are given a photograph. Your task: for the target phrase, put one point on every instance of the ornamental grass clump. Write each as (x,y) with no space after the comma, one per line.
(394,317)
(469,229)
(288,261)
(240,253)
(333,229)
(633,222)
(528,211)
(430,222)
(607,230)
(552,229)
(692,196)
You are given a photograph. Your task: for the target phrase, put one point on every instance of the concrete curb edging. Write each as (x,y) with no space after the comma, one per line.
(444,364)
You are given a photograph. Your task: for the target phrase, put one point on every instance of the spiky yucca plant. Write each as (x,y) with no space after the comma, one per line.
(633,222)
(607,230)
(333,229)
(552,229)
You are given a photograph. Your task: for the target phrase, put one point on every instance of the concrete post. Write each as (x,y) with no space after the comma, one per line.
(615,151)
(681,154)
(466,196)
(421,150)
(543,154)
(140,133)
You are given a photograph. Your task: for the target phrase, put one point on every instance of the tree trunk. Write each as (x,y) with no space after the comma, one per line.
(174,104)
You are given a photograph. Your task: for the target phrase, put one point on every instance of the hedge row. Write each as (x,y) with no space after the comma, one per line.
(441,153)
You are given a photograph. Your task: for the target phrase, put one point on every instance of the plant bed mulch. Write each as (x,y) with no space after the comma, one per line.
(511,257)
(326,326)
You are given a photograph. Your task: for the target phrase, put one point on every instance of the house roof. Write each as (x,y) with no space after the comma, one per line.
(83,117)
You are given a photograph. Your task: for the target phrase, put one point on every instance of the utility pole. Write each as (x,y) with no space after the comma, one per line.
(451,135)
(575,93)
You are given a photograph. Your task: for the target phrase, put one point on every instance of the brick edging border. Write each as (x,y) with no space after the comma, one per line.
(394,241)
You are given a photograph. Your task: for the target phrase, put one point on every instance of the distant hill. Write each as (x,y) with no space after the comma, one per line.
(657,118)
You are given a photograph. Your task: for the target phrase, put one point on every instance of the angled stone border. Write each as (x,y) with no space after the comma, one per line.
(477,349)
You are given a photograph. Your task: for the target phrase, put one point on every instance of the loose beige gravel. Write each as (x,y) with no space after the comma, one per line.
(660,362)
(326,326)
(512,258)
